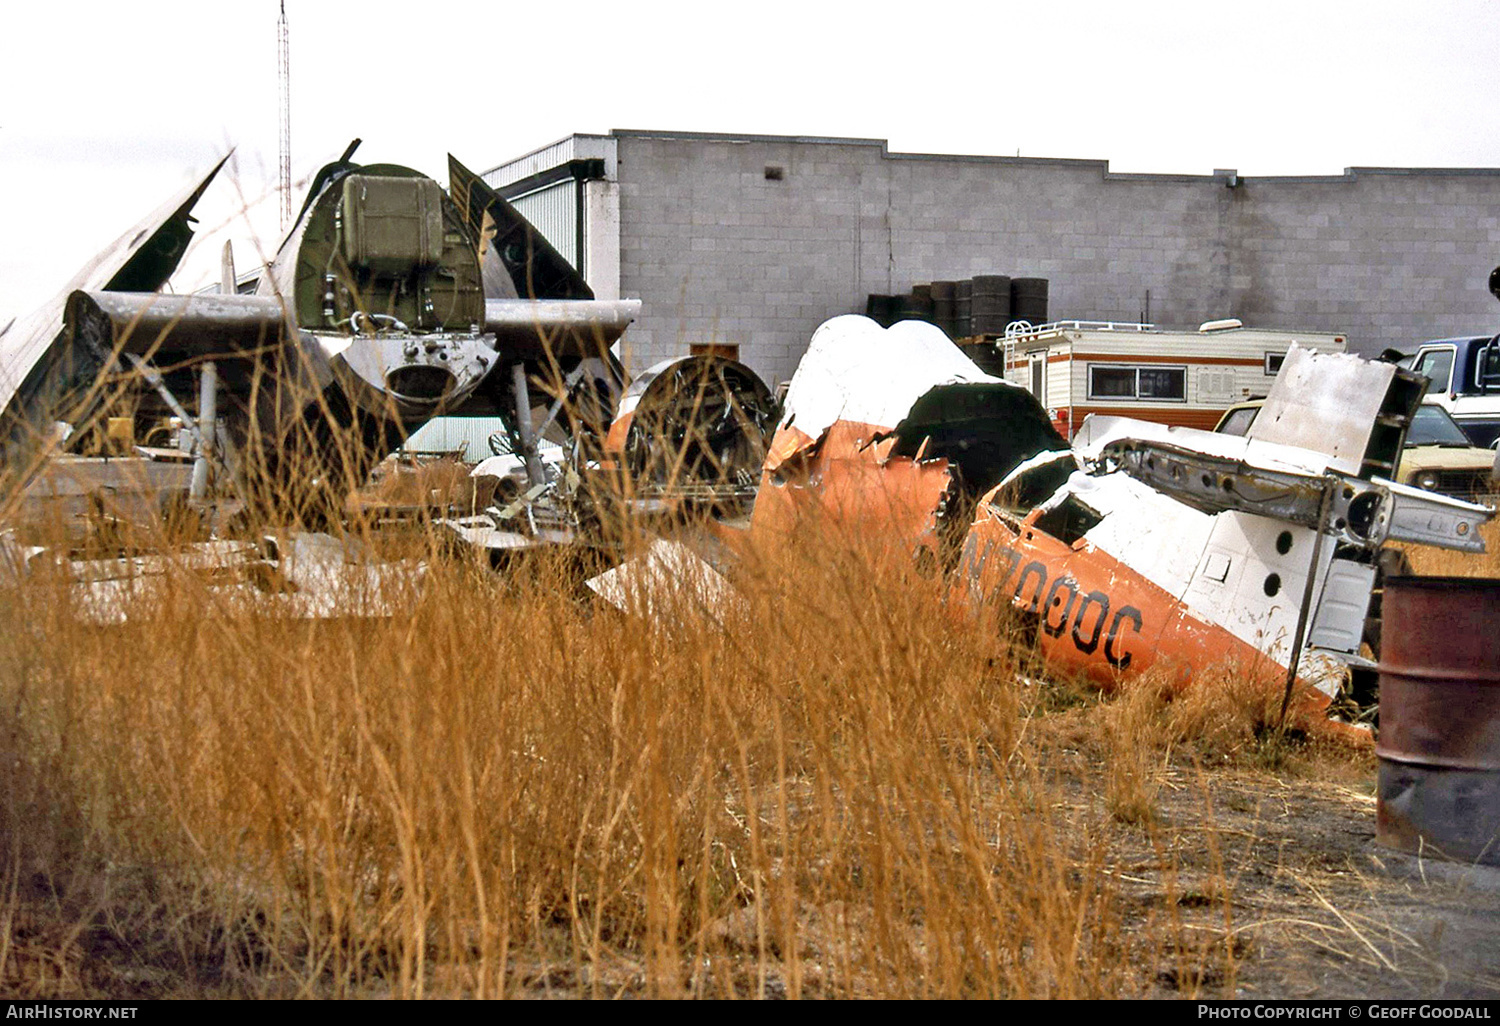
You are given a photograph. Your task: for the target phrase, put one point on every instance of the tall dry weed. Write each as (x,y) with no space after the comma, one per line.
(1435,562)
(492,785)
(502,790)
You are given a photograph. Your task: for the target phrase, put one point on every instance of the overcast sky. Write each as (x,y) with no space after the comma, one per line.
(107,108)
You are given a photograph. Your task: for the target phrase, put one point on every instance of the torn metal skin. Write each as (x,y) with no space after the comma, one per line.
(295,576)
(1145,546)
(849,475)
(892,434)
(668,580)
(42,379)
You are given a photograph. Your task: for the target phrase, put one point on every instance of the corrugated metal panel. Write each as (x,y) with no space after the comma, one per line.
(554,211)
(469,435)
(535,162)
(574,147)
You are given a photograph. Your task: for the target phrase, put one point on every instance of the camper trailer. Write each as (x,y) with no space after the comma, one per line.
(1183,377)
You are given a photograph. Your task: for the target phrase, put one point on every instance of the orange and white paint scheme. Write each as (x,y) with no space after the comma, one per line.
(883,431)
(1142,546)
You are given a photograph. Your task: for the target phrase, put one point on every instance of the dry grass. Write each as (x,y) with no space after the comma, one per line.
(506,790)
(1445,563)
(842,787)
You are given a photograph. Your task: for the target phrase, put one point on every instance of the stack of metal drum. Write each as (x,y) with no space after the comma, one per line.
(986,304)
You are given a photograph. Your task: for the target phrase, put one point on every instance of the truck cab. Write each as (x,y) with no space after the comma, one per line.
(1464,378)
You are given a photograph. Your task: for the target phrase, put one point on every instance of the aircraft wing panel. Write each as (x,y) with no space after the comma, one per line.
(1329,402)
(559,327)
(510,244)
(171,329)
(141,260)
(1099,435)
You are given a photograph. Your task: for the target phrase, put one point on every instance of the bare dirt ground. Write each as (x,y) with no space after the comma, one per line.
(1270,873)
(1317,908)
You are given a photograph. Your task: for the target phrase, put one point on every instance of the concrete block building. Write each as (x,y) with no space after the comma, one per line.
(754,240)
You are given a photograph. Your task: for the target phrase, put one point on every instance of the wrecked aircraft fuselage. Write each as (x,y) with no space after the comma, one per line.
(375,315)
(1143,547)
(692,428)
(894,433)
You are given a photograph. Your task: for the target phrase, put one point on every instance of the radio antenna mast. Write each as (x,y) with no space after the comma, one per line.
(284,72)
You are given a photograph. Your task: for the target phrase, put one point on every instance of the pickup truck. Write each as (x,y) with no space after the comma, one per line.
(1464,379)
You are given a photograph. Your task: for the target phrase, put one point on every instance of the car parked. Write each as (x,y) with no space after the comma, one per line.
(1464,378)
(1438,456)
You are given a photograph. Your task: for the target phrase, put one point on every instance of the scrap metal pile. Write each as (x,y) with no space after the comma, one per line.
(1139,545)
(391,302)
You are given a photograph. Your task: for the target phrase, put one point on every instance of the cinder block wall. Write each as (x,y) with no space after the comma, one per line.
(1390,256)
(719,252)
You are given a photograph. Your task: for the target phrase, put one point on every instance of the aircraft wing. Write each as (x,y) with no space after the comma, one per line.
(171,329)
(40,372)
(517,260)
(1360,512)
(558,327)
(564,346)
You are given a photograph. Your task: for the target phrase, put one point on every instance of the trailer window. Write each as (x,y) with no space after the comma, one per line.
(1163,382)
(1274,362)
(1111,383)
(1152,382)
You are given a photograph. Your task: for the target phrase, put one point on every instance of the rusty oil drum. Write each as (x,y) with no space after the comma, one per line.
(1439,745)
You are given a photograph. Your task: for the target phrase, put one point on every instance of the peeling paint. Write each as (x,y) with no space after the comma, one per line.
(1142,547)
(893,433)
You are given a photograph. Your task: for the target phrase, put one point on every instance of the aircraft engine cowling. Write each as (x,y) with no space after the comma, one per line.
(410,376)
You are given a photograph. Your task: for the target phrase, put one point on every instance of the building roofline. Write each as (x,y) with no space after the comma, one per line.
(546,146)
(884,146)
(1349,174)
(827,140)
